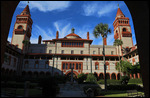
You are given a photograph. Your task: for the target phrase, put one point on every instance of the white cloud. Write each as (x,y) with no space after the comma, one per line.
(47,34)
(101,8)
(45,6)
(62,28)
(34,40)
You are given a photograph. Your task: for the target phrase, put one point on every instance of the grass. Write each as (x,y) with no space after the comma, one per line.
(112,93)
(32,92)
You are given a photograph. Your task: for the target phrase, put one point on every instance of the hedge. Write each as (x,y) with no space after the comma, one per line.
(13,84)
(95,88)
(110,82)
(135,81)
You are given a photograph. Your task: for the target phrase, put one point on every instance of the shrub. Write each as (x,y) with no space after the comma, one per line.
(81,78)
(14,84)
(96,89)
(60,79)
(124,80)
(110,82)
(50,87)
(134,81)
(91,78)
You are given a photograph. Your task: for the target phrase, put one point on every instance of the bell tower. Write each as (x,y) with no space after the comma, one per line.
(22,28)
(122,29)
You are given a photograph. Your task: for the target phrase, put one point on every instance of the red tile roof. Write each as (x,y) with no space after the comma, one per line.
(119,12)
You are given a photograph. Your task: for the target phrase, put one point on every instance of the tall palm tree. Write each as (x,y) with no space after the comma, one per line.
(118,43)
(103,30)
(26,43)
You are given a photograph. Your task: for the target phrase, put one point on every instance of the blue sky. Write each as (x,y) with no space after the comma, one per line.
(51,16)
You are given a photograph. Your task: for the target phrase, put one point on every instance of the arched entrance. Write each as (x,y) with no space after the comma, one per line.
(118,76)
(107,76)
(101,76)
(96,75)
(113,76)
(68,75)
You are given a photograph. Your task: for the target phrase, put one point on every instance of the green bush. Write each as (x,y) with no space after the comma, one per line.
(60,79)
(110,82)
(14,84)
(81,78)
(134,81)
(96,89)
(125,80)
(91,78)
(50,87)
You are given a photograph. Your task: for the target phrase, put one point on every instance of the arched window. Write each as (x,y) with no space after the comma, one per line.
(77,66)
(26,64)
(47,64)
(36,64)
(96,65)
(63,65)
(66,66)
(124,29)
(20,27)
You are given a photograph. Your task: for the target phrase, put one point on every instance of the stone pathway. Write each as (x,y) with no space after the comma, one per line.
(68,90)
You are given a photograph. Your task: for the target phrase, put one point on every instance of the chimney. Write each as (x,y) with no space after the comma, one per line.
(87,35)
(39,40)
(105,41)
(57,34)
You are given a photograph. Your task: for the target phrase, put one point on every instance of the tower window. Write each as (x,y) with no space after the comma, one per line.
(81,52)
(72,52)
(50,51)
(94,52)
(112,52)
(124,29)
(20,27)
(62,51)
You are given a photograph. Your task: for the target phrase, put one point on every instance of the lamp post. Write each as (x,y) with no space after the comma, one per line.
(91,63)
(71,74)
(53,66)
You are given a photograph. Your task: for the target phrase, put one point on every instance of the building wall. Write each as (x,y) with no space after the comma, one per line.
(10,66)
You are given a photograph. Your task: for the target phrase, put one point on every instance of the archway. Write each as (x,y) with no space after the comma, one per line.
(118,76)
(48,73)
(68,75)
(96,75)
(113,76)
(29,74)
(107,76)
(142,35)
(24,74)
(42,74)
(101,76)
(36,74)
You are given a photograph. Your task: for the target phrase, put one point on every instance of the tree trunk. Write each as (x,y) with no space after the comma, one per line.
(104,65)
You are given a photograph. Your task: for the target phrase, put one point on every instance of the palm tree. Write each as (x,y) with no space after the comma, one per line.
(26,43)
(103,30)
(118,43)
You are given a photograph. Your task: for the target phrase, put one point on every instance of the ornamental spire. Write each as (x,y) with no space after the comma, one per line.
(118,5)
(72,30)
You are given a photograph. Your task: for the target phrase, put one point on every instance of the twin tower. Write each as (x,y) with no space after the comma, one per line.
(23,27)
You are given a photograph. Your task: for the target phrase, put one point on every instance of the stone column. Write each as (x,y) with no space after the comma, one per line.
(138,75)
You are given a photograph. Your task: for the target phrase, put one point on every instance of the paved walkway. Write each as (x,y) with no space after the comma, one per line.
(68,90)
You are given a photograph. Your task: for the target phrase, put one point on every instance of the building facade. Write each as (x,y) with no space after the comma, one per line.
(58,55)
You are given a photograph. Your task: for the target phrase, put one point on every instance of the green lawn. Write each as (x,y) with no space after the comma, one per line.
(32,92)
(112,93)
